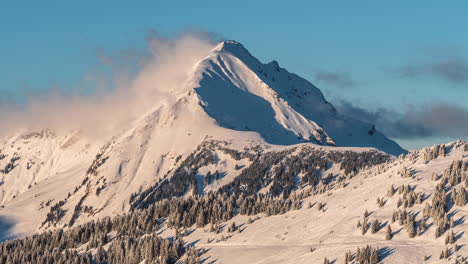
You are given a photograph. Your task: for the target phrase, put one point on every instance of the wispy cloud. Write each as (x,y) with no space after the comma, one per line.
(452,69)
(337,79)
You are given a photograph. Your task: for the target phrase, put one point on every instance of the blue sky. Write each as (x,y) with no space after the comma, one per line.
(392,59)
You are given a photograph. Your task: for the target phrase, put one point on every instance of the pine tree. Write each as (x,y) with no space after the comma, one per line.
(375,226)
(319,206)
(207,179)
(232,228)
(391,192)
(389,233)
(450,238)
(366,214)
(411,226)
(364,227)
(348,257)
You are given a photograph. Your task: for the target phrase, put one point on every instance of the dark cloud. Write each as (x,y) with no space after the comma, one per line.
(338,79)
(453,69)
(435,120)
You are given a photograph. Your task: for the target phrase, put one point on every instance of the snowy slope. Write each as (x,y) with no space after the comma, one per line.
(29,159)
(308,235)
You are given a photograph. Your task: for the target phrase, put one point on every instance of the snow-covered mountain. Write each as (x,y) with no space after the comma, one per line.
(234,128)
(228,96)
(242,93)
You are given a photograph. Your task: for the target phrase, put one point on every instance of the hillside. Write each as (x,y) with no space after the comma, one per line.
(297,204)
(325,225)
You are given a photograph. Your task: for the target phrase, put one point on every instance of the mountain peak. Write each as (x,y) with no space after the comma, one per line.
(244,94)
(229,44)
(233,47)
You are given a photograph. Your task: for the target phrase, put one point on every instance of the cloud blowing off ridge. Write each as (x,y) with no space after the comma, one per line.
(166,65)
